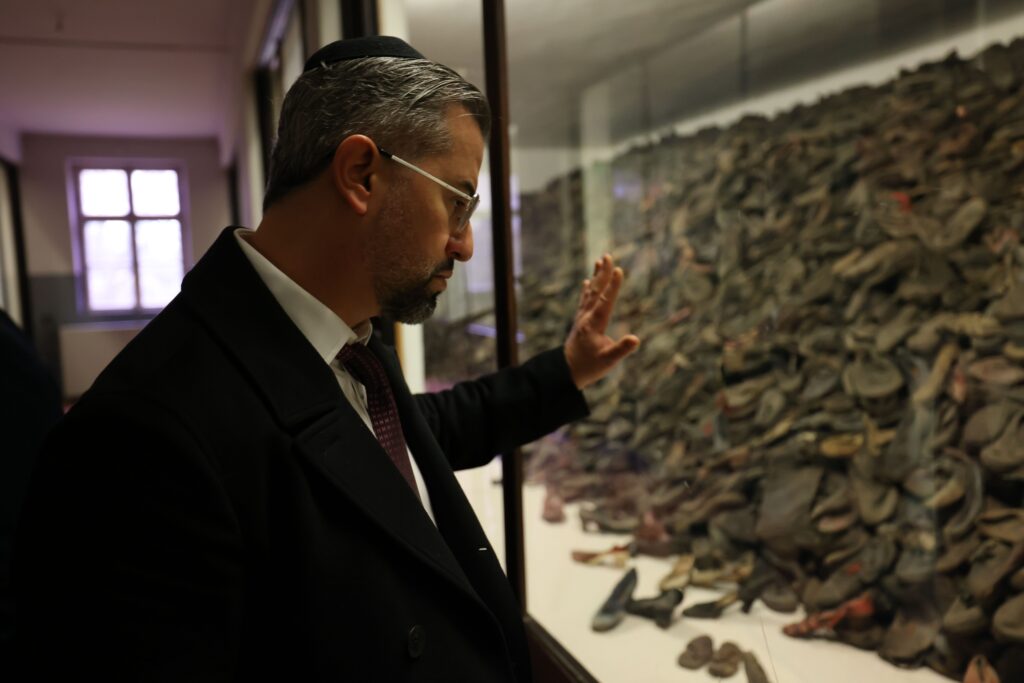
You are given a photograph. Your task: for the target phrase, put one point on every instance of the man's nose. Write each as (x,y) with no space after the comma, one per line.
(460,246)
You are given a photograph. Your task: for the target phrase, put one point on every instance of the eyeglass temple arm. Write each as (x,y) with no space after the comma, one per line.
(388,155)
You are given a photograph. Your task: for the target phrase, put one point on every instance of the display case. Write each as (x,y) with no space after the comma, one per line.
(817,453)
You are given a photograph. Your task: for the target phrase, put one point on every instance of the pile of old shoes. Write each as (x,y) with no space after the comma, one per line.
(697,653)
(752,667)
(829,402)
(613,609)
(851,621)
(712,609)
(980,671)
(617,556)
(658,609)
(554,506)
(679,576)
(726,660)
(723,662)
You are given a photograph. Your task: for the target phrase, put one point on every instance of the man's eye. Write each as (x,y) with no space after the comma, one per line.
(460,204)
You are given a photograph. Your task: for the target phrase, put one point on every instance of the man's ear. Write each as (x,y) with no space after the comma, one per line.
(353,171)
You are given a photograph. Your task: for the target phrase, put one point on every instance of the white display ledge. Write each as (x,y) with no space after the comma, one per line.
(563,596)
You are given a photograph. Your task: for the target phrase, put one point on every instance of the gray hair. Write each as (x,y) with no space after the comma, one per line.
(401,104)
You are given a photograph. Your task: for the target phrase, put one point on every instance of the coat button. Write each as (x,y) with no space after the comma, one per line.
(417,641)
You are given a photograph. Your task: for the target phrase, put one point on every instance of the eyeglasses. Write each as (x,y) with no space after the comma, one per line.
(463,209)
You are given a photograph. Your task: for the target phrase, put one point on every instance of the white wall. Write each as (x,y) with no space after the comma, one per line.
(249,157)
(328,23)
(393,18)
(86,349)
(242,125)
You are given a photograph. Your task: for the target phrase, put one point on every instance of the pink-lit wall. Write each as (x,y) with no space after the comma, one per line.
(44,191)
(48,244)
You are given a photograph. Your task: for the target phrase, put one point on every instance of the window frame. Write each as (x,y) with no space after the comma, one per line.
(77,219)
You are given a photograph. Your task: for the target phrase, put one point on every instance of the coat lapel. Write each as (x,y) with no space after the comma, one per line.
(232,302)
(341,447)
(455,517)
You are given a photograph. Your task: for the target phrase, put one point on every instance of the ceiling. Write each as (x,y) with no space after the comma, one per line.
(162,68)
(556,48)
(158,68)
(662,61)
(169,68)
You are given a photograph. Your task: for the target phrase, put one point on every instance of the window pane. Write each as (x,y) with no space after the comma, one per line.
(103,192)
(155,193)
(108,262)
(111,288)
(108,244)
(158,245)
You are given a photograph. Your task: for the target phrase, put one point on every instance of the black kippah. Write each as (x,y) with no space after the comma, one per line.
(354,48)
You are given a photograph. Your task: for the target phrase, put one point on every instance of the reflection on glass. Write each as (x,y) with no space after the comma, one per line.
(155,193)
(159,252)
(104,192)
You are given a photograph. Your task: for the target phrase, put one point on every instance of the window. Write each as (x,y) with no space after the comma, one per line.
(130,239)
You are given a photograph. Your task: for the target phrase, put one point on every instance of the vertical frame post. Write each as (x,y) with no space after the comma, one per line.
(496,70)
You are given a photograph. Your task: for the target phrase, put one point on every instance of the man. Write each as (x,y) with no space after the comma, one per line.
(250,491)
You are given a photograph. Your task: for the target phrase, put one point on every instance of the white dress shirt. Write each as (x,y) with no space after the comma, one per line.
(327,333)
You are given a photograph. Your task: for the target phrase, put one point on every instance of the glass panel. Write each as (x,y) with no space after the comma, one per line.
(108,262)
(103,192)
(817,453)
(459,340)
(155,193)
(158,246)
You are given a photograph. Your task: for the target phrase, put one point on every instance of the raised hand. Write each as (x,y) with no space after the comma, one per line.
(591,353)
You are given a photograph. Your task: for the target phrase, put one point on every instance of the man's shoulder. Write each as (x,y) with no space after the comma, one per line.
(171,361)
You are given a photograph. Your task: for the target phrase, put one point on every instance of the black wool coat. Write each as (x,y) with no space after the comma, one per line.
(213,509)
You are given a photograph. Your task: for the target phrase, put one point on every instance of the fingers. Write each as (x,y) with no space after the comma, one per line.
(602,272)
(585,294)
(593,287)
(606,300)
(620,349)
(599,284)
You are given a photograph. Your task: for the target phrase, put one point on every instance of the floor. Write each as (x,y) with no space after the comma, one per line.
(563,595)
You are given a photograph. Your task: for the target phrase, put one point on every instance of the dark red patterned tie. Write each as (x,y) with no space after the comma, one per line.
(360,362)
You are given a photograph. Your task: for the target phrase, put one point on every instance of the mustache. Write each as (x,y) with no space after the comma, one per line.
(446,267)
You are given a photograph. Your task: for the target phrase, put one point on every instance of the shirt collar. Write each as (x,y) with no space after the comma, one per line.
(324,330)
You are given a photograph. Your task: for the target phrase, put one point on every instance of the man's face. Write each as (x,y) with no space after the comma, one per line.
(416,244)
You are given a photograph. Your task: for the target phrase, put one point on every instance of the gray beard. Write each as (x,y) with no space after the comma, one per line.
(411,305)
